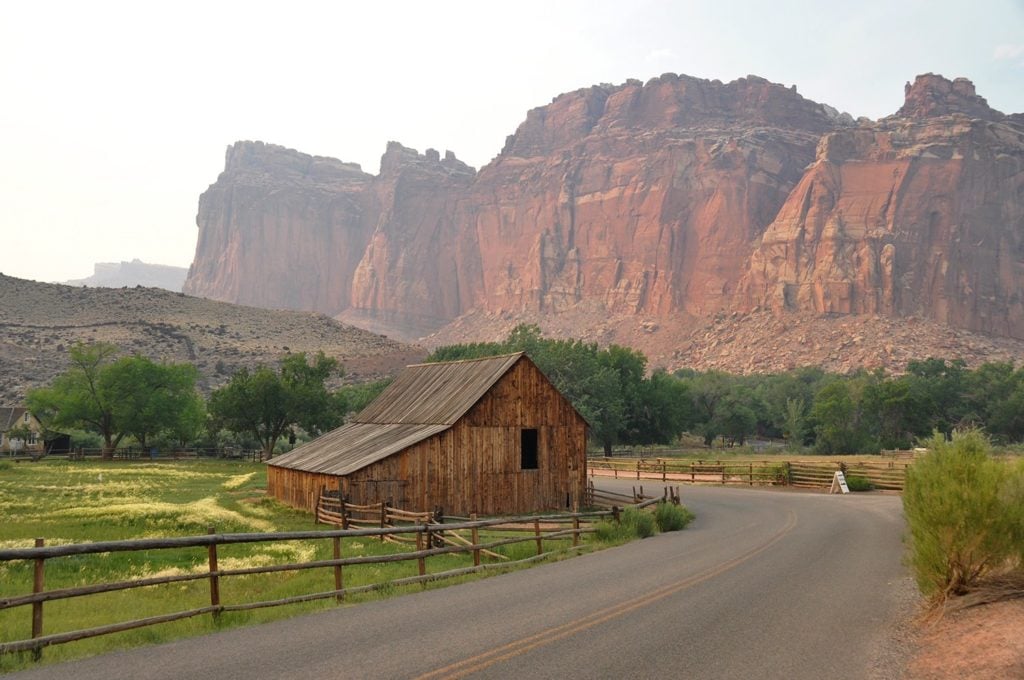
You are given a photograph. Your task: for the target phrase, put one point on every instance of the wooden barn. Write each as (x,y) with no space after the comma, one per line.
(491,436)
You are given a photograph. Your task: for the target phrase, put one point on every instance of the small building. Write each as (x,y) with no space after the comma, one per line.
(491,436)
(26,430)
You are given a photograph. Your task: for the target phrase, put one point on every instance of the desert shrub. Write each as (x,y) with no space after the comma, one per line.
(856,483)
(632,524)
(964,511)
(641,523)
(671,517)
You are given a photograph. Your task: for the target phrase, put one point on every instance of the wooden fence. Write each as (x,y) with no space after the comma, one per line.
(426,537)
(886,473)
(133,453)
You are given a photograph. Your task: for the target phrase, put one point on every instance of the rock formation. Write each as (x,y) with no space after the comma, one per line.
(134,273)
(920,214)
(673,199)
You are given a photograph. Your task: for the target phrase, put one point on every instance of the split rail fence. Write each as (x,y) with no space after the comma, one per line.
(882,474)
(427,534)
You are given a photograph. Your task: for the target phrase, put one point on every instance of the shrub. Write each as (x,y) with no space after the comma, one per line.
(632,524)
(671,517)
(964,510)
(641,523)
(856,483)
(610,531)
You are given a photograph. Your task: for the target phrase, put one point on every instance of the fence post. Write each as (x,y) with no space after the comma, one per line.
(575,531)
(475,535)
(344,512)
(751,474)
(420,561)
(638,468)
(214,576)
(384,519)
(615,514)
(339,581)
(664,476)
(789,473)
(38,582)
(536,532)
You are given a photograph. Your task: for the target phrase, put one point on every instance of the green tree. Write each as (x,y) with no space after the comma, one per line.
(267,404)
(115,397)
(734,419)
(838,419)
(148,398)
(663,409)
(795,423)
(354,398)
(78,398)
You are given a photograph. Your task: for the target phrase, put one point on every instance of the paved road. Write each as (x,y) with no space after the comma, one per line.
(764,584)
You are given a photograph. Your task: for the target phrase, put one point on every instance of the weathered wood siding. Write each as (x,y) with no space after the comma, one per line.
(298,488)
(475,465)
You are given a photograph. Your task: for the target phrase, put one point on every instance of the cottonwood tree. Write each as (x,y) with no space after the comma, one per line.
(268,404)
(115,397)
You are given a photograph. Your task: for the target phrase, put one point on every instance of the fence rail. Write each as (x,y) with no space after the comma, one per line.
(431,538)
(885,473)
(133,453)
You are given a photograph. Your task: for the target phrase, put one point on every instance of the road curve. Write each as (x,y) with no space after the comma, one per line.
(763,584)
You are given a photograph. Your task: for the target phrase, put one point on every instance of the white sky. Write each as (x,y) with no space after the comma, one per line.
(114,117)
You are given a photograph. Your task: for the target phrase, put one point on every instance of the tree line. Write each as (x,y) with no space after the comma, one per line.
(116,398)
(862,412)
(106,398)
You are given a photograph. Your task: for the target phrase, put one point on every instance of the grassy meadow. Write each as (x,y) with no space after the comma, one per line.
(79,502)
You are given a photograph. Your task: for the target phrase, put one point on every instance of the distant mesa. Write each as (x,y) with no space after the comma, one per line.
(134,273)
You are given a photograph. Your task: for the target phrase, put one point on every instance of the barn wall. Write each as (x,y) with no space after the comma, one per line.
(475,465)
(297,488)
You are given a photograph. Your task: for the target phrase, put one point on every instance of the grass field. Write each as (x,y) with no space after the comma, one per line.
(84,502)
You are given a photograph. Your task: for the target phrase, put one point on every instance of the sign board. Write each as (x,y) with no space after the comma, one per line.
(839,483)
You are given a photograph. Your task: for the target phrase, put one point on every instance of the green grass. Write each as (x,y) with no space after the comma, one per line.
(84,502)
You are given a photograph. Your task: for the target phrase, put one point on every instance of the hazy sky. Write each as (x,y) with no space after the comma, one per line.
(114,117)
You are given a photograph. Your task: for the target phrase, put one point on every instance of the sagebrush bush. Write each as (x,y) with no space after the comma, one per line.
(964,511)
(671,517)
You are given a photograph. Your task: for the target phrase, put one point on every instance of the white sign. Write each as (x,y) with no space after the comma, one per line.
(839,483)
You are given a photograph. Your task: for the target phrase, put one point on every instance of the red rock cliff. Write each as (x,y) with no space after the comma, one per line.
(678,197)
(920,214)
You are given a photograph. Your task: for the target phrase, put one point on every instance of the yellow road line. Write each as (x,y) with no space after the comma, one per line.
(484,660)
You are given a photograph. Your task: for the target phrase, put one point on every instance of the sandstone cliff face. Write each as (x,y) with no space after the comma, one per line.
(672,199)
(920,214)
(405,278)
(640,198)
(281,229)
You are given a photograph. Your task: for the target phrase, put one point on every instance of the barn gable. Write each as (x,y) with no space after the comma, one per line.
(489,435)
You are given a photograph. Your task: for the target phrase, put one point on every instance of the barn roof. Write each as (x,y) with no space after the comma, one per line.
(423,400)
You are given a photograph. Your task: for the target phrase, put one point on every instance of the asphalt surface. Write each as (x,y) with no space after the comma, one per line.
(763,584)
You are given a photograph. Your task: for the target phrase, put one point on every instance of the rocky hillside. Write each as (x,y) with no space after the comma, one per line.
(39,321)
(618,209)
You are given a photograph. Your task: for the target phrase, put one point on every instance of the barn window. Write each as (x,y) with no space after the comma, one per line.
(528,449)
